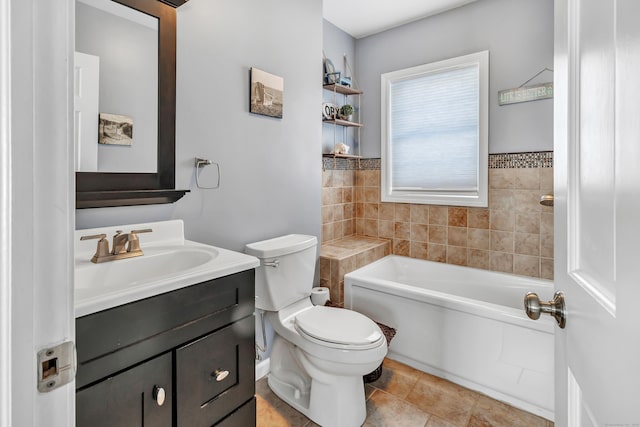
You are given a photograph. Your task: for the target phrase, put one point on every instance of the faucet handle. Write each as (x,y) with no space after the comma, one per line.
(94,236)
(102,249)
(134,243)
(144,230)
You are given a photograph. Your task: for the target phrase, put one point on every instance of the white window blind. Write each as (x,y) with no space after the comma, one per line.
(434,138)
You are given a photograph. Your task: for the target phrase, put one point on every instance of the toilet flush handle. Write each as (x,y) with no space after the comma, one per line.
(275,263)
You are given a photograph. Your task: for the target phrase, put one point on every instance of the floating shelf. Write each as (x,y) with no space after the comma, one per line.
(343,123)
(342,156)
(345,90)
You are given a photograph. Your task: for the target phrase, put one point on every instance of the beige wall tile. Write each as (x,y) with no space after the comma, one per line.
(326,196)
(419,232)
(327,232)
(502,220)
(527,222)
(348,227)
(371,194)
(347,195)
(401,247)
(478,258)
(501,241)
(360,226)
(478,238)
(478,218)
(546,223)
(359,178)
(419,214)
(402,230)
(338,213)
(500,261)
(419,250)
(387,211)
(456,255)
(371,227)
(325,268)
(437,253)
(337,230)
(546,179)
(358,194)
(526,200)
(372,178)
(457,217)
(438,215)
(403,212)
(546,245)
(528,178)
(386,229)
(501,199)
(526,244)
(348,211)
(327,214)
(501,178)
(371,210)
(438,234)
(457,236)
(546,268)
(526,265)
(348,178)
(327,178)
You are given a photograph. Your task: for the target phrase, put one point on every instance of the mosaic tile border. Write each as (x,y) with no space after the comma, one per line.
(533,159)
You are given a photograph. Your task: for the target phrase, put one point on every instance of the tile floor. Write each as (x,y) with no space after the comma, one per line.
(405,397)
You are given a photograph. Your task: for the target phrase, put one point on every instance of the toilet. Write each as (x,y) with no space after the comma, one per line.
(319,354)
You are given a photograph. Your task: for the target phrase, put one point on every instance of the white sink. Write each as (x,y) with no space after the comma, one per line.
(169,263)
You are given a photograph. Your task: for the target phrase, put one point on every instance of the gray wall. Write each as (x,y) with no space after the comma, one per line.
(337,43)
(128,54)
(519,37)
(271,170)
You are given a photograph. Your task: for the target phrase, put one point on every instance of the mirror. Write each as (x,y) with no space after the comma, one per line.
(116,81)
(140,92)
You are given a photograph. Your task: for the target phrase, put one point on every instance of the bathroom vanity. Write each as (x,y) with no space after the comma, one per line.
(175,355)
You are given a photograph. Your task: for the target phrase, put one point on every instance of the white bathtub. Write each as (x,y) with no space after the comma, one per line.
(463,324)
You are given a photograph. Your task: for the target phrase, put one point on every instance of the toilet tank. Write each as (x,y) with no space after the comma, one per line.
(287,266)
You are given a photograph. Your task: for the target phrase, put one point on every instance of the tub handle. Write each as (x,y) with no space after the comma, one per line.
(556,308)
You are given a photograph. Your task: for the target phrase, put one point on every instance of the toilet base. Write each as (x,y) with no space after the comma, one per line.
(328,400)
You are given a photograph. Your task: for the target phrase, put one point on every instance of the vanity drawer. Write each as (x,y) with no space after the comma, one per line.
(111,340)
(203,400)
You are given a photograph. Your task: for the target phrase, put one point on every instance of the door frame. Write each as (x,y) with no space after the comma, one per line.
(37,209)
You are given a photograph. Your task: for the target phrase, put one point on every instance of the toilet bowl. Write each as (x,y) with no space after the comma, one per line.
(319,354)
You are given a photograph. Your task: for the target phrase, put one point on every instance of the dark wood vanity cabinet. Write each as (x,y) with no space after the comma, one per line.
(193,346)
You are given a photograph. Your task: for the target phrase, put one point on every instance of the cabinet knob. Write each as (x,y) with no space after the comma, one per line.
(158,395)
(220,375)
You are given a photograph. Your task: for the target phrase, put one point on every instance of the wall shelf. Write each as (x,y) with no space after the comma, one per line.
(341,122)
(344,90)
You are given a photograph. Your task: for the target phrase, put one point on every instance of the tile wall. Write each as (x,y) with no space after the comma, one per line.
(514,234)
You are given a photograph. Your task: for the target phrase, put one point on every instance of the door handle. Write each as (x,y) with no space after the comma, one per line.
(556,308)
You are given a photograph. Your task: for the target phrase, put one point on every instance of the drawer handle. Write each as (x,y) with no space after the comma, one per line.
(158,395)
(220,375)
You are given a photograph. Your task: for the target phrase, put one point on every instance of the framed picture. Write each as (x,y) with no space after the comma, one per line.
(330,74)
(114,129)
(267,91)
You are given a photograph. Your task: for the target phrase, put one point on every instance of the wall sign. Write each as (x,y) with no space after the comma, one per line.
(525,94)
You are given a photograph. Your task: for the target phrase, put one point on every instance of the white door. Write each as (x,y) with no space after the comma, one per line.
(86,90)
(597,207)
(36,206)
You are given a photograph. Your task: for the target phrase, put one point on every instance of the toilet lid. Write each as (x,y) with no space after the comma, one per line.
(338,326)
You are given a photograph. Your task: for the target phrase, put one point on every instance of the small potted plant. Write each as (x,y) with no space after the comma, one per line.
(346,112)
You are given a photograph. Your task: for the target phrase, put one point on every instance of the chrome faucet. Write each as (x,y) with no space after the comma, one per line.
(125,245)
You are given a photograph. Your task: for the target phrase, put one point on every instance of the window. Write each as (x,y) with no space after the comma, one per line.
(435,132)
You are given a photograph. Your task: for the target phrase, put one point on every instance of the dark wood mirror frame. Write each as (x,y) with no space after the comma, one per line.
(102,189)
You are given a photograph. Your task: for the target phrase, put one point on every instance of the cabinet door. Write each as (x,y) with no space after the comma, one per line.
(215,375)
(129,399)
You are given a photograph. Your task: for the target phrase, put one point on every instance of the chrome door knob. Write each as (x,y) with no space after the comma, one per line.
(556,308)
(158,395)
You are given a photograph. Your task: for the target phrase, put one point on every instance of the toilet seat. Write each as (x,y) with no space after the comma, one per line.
(338,328)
